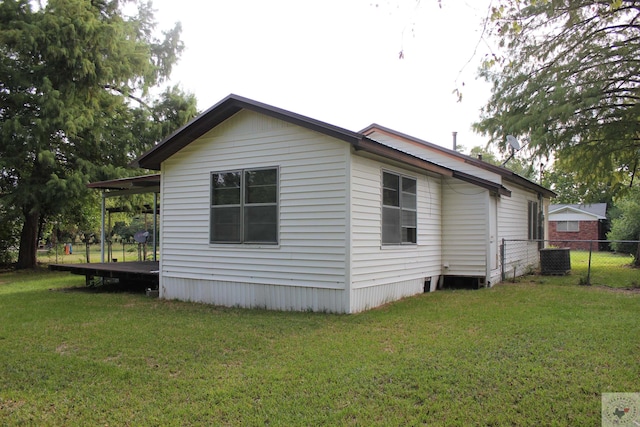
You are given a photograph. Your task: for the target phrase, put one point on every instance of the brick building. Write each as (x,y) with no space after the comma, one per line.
(574,226)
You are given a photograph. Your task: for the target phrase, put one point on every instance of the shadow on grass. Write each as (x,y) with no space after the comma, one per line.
(110,286)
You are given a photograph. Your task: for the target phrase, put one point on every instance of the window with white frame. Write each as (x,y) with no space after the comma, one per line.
(569,226)
(244,206)
(399,209)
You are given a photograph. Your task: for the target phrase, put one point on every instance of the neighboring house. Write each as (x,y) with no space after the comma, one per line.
(568,223)
(262,207)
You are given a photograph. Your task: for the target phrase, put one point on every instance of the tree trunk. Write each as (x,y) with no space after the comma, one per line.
(28,241)
(636,261)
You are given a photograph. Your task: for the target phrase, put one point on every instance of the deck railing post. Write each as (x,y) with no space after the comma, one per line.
(102,231)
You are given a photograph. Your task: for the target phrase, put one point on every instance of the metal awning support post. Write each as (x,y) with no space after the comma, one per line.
(155,224)
(102,231)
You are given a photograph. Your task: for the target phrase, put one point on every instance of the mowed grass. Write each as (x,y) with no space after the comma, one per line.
(536,352)
(607,269)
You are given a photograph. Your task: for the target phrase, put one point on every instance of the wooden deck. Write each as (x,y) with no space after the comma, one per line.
(142,271)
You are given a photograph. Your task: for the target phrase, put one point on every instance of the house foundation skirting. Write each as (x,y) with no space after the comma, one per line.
(291,298)
(251,295)
(374,296)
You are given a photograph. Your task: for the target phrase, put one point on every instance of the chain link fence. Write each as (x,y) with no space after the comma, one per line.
(592,262)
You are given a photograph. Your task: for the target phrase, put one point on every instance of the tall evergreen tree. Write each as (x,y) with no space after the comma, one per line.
(70,73)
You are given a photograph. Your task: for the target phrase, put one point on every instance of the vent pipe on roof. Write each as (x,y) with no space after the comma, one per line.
(455,141)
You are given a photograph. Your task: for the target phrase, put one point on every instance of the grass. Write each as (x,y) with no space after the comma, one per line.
(607,269)
(537,352)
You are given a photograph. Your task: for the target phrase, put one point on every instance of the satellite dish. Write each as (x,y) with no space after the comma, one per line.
(141,236)
(513,142)
(515,146)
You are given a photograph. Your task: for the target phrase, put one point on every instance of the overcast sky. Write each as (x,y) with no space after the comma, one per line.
(339,60)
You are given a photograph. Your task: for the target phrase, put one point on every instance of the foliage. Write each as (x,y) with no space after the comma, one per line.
(517,163)
(9,222)
(74,75)
(125,231)
(525,354)
(567,77)
(626,225)
(570,188)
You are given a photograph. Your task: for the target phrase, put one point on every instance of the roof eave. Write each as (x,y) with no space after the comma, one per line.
(374,147)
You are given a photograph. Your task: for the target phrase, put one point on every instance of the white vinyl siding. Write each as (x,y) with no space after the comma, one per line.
(383,267)
(513,213)
(464,224)
(312,245)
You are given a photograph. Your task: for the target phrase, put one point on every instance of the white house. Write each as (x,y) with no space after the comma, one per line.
(262,207)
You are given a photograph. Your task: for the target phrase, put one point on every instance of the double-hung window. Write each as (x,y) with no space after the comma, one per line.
(399,209)
(571,226)
(244,206)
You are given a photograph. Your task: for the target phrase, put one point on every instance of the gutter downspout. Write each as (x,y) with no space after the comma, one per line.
(155,224)
(540,221)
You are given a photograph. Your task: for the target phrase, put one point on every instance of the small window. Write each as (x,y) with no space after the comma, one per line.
(533,216)
(399,209)
(244,206)
(568,226)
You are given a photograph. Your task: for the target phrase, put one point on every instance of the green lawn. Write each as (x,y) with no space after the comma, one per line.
(536,352)
(607,269)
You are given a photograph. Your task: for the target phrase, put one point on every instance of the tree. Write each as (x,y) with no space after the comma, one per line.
(569,80)
(71,75)
(626,225)
(9,226)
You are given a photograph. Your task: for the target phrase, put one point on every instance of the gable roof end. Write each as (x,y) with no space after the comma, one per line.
(598,210)
(221,112)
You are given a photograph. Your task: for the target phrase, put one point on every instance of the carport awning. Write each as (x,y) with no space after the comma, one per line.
(131,185)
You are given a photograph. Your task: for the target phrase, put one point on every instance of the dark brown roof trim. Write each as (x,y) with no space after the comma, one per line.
(489,185)
(505,173)
(374,147)
(221,112)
